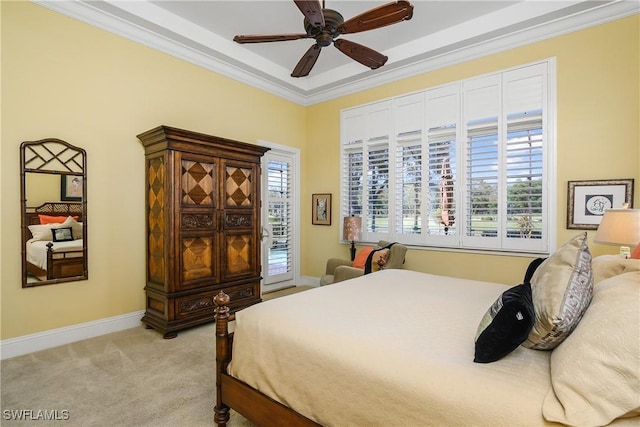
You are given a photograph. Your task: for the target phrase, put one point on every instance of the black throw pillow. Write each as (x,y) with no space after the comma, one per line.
(62,234)
(505,325)
(531,269)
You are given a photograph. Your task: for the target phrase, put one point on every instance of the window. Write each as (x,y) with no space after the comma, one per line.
(464,165)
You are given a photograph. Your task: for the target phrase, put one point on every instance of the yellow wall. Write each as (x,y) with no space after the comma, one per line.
(40,187)
(598,81)
(68,80)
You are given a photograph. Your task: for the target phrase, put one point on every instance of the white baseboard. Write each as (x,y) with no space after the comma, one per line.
(25,344)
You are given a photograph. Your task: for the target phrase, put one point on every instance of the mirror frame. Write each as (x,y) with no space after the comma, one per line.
(55,157)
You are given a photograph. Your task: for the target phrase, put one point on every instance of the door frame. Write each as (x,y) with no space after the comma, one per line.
(294,154)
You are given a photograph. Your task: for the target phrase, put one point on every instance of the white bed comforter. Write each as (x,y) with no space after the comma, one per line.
(37,250)
(393,348)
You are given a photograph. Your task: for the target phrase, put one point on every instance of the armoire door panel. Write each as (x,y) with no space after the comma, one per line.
(239,186)
(197,182)
(198,260)
(240,256)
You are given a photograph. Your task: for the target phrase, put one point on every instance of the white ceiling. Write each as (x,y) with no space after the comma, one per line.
(441,33)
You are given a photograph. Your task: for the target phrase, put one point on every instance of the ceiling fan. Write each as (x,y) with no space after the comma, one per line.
(326,25)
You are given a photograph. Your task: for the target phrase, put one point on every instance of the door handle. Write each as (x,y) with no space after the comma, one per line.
(264,234)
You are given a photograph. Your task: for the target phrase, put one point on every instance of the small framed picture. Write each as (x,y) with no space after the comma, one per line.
(587,201)
(321,209)
(71,187)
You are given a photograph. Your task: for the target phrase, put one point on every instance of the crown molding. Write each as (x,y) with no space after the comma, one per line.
(224,64)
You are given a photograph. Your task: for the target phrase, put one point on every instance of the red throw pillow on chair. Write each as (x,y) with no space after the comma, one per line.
(361,257)
(636,252)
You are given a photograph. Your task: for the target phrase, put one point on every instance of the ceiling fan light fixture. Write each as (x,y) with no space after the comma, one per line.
(324,39)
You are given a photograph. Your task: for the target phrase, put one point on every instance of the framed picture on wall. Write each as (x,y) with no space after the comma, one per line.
(321,209)
(587,201)
(70,187)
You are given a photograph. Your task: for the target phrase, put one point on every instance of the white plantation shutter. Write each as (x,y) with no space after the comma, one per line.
(377,207)
(379,121)
(365,168)
(442,116)
(525,196)
(481,98)
(279,201)
(463,165)
(482,189)
(353,182)
(409,183)
(409,179)
(524,173)
(409,115)
(353,128)
(504,161)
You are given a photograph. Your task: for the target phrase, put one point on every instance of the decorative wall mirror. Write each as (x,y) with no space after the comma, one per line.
(53,193)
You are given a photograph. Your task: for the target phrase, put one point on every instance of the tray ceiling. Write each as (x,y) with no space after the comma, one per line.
(440,33)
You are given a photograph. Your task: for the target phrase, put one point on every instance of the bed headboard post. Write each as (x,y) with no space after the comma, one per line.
(223,354)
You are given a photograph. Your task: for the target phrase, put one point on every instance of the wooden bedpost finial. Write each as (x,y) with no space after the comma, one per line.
(221,301)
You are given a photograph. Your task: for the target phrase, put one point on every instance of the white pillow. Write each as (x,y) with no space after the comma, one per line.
(76,227)
(43,231)
(561,287)
(595,372)
(605,266)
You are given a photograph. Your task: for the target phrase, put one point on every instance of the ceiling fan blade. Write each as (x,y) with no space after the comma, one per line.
(306,63)
(384,15)
(312,11)
(268,38)
(364,55)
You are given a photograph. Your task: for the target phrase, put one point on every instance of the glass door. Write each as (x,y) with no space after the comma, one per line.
(278,243)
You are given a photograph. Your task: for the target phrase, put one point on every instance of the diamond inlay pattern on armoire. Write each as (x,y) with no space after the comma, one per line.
(238,254)
(197,183)
(196,258)
(156,171)
(238,186)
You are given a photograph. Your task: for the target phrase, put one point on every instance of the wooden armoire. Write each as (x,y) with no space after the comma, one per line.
(203,226)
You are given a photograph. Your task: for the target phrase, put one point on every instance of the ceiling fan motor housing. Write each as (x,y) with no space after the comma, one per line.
(324,37)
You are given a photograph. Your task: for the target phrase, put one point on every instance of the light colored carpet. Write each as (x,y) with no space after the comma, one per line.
(127,378)
(285,291)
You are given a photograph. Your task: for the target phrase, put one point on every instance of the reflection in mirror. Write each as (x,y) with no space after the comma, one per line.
(53,192)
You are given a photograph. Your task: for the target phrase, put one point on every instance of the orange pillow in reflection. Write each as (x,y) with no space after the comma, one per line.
(636,252)
(361,257)
(49,219)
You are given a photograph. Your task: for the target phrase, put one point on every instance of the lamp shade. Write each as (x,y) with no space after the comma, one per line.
(352,228)
(619,227)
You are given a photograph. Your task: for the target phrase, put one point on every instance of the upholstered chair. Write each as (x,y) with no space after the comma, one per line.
(341,269)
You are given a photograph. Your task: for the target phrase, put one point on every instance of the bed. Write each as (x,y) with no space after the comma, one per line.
(64,257)
(396,348)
